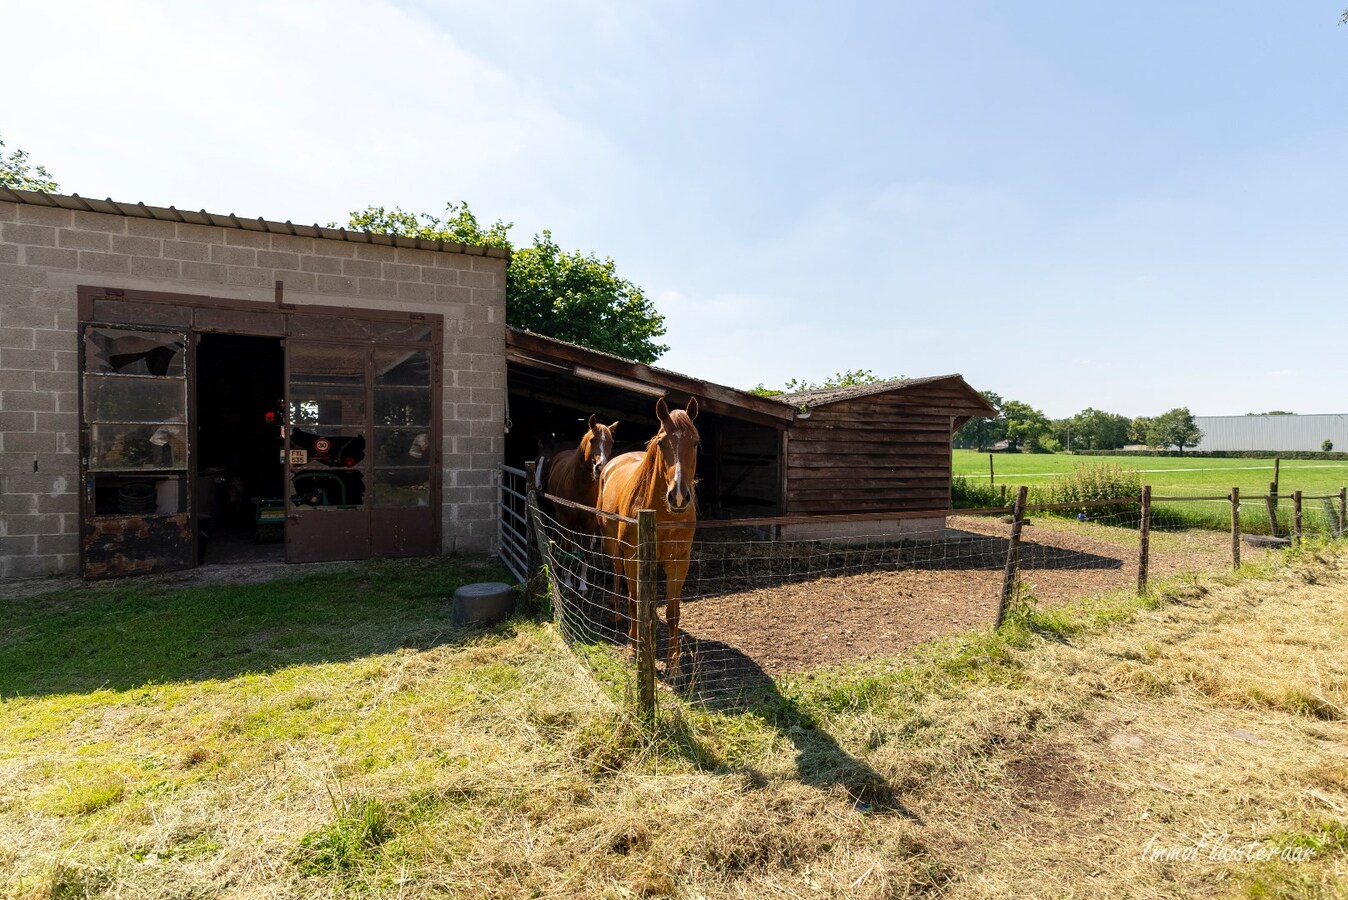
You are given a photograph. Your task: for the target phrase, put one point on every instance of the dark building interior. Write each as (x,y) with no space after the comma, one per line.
(240,411)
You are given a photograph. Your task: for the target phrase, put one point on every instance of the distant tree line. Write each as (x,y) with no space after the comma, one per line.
(1019,427)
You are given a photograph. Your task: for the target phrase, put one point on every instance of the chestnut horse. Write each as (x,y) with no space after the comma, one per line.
(662,479)
(574,475)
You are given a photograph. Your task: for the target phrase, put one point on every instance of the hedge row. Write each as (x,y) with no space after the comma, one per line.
(1220,454)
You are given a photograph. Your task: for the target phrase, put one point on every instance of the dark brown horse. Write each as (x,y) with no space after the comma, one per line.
(660,478)
(574,475)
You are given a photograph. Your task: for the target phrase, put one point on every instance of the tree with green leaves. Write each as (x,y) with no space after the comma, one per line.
(1094,429)
(571,296)
(1138,429)
(18,173)
(980,434)
(582,299)
(1175,428)
(1026,427)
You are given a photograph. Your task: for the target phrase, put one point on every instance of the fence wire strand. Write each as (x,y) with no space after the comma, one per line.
(760,602)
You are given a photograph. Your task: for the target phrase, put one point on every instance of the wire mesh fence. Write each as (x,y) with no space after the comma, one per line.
(763,600)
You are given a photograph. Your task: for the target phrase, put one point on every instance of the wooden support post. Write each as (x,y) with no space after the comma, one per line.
(992,471)
(646,614)
(1343,512)
(1277,473)
(1012,555)
(1296,518)
(1235,528)
(1144,541)
(1271,501)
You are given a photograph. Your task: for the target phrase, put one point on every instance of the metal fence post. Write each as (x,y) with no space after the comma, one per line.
(1012,572)
(1296,518)
(1235,528)
(646,613)
(532,564)
(1144,542)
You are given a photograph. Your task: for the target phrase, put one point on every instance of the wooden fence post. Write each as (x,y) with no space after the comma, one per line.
(1271,501)
(1011,574)
(646,614)
(1235,528)
(992,471)
(1343,512)
(1296,518)
(1144,544)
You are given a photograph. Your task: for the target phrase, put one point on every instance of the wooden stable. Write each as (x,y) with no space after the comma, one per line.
(880,447)
(863,449)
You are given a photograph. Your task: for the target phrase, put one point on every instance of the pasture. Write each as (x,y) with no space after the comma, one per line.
(1168,475)
(332,734)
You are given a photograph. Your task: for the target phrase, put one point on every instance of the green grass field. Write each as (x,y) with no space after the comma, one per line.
(334,735)
(1168,476)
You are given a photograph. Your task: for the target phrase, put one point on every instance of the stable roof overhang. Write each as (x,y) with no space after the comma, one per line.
(202,217)
(571,375)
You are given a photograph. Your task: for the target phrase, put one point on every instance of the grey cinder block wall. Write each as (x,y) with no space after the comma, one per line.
(47,252)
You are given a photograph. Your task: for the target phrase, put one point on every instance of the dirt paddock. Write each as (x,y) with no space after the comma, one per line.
(752,610)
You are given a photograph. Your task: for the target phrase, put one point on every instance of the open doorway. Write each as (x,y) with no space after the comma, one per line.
(240,478)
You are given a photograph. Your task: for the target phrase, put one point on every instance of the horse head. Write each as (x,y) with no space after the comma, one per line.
(677,441)
(596,447)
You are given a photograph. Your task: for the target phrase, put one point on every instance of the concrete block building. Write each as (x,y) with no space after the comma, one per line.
(172,379)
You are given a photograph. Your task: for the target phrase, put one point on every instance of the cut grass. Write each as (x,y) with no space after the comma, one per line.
(382,753)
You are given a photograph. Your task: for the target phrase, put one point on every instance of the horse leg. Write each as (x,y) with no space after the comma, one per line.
(633,633)
(619,588)
(585,553)
(676,572)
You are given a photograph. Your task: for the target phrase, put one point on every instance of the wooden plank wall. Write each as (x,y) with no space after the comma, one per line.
(883,452)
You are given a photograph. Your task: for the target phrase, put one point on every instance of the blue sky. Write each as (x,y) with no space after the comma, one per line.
(1128,206)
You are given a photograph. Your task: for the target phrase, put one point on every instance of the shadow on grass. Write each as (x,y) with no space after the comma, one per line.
(139,631)
(721,678)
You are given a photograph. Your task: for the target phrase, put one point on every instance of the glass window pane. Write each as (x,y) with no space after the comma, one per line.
(132,495)
(404,486)
(124,352)
(327,406)
(402,446)
(109,398)
(402,367)
(402,406)
(327,448)
(327,363)
(138,447)
(320,488)
(401,331)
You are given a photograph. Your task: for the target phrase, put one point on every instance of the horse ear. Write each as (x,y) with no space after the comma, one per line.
(661,410)
(691,409)
(590,424)
(613,427)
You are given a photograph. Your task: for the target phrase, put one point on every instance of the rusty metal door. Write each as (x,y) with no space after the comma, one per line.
(328,463)
(136,505)
(406,450)
(362,448)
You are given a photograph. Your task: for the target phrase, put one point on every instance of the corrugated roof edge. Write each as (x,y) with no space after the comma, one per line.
(202,217)
(850,392)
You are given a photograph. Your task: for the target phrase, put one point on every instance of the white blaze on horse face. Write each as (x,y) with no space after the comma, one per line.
(678,497)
